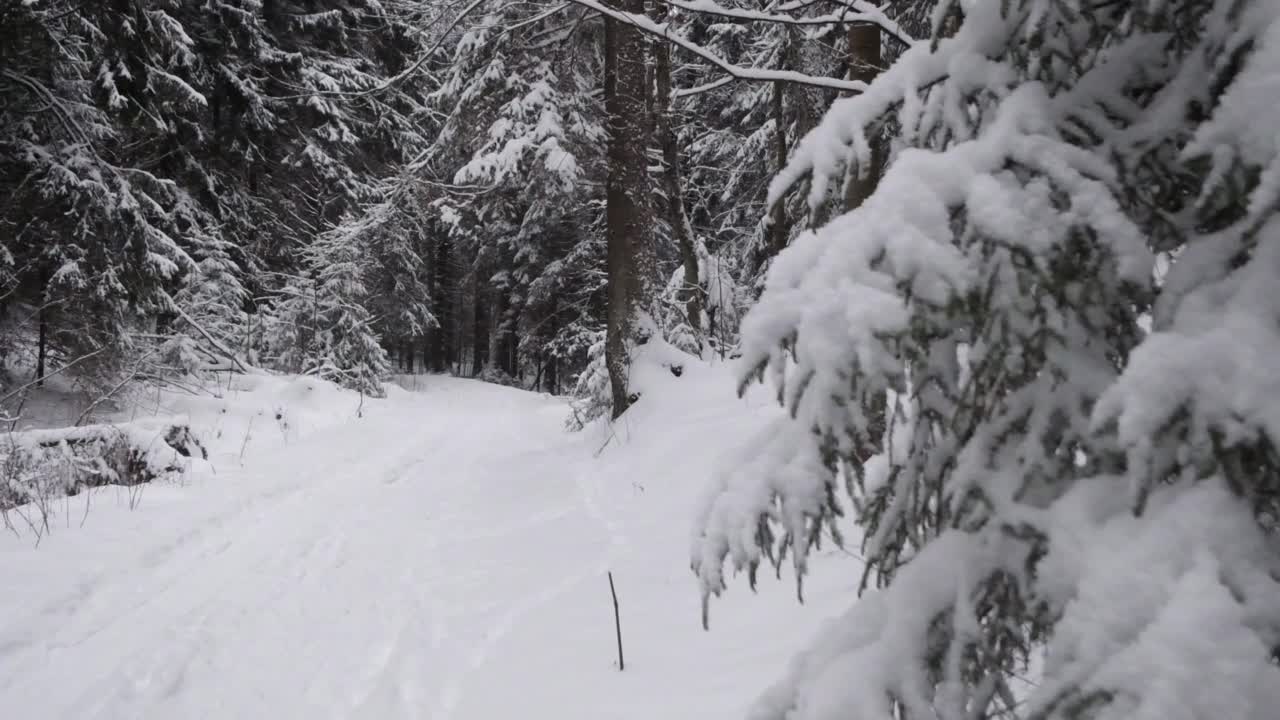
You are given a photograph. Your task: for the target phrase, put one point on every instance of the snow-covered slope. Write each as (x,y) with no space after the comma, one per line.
(443,556)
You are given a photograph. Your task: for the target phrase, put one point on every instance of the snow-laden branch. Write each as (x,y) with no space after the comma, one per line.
(863,13)
(742,73)
(401,76)
(705,87)
(824,151)
(173,305)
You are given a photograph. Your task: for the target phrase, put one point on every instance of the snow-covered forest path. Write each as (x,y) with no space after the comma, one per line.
(365,571)
(442,557)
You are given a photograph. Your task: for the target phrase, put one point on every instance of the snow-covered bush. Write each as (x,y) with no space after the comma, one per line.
(1057,491)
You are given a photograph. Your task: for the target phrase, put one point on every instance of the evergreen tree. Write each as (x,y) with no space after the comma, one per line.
(94,234)
(165,161)
(514,181)
(1054,483)
(321,324)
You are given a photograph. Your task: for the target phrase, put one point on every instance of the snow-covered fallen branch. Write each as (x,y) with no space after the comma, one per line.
(48,463)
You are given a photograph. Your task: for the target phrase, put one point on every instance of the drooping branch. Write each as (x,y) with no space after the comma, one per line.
(407,72)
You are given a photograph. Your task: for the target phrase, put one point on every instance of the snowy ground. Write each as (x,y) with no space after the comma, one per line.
(441,557)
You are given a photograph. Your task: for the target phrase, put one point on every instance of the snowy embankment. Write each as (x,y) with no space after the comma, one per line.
(442,556)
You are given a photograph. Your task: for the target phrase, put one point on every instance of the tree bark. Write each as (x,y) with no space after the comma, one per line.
(865,65)
(498,330)
(42,352)
(443,295)
(553,384)
(479,334)
(681,229)
(631,261)
(779,232)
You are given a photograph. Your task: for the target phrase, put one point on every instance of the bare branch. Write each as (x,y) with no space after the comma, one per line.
(862,13)
(46,376)
(737,71)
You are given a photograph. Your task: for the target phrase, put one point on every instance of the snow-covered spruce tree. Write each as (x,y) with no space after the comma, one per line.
(320,324)
(94,234)
(394,236)
(303,117)
(516,173)
(159,157)
(737,135)
(1057,492)
(211,328)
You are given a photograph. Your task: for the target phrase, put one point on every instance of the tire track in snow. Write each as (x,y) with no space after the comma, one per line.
(498,630)
(587,503)
(124,607)
(337,579)
(88,593)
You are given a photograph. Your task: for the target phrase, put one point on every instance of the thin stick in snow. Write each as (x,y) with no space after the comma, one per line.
(617,623)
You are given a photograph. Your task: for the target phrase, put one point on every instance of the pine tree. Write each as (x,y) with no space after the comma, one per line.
(1054,484)
(165,161)
(95,236)
(514,182)
(321,325)
(632,261)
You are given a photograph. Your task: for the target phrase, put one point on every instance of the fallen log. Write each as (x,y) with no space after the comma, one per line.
(64,461)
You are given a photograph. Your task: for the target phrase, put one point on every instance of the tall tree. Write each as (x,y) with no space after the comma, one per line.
(632,257)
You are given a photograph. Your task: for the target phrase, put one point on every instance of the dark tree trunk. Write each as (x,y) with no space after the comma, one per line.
(537,376)
(631,261)
(513,354)
(434,335)
(506,341)
(479,334)
(779,232)
(553,327)
(42,351)
(498,331)
(681,229)
(865,65)
(443,353)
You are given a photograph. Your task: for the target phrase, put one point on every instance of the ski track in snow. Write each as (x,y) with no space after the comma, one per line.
(442,558)
(370,571)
